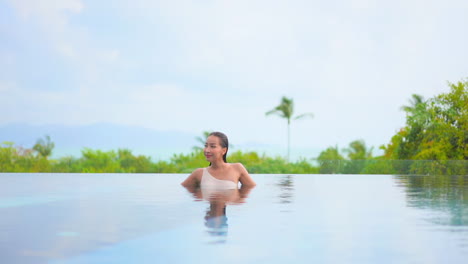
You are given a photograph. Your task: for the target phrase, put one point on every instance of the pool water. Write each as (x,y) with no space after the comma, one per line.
(150,218)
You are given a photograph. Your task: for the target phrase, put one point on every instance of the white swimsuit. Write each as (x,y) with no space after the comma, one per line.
(210,182)
(214,189)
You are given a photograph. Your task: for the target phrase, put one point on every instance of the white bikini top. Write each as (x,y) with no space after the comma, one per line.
(210,182)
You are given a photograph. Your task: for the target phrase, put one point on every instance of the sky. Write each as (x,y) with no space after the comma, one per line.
(207,65)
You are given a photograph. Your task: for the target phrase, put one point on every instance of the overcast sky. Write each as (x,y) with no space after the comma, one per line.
(220,65)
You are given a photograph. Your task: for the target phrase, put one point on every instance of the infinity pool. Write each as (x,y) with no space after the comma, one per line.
(150,218)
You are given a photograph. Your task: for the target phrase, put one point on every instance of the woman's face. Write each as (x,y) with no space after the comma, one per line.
(213,149)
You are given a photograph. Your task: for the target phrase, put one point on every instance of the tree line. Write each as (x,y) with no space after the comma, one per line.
(434,140)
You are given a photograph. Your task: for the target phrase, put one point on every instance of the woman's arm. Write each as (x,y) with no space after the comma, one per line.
(195,191)
(245,178)
(193,180)
(244,191)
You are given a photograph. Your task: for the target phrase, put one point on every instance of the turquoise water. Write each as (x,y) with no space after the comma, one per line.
(150,218)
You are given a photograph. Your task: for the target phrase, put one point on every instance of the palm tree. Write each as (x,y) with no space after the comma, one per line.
(415,100)
(358,150)
(417,106)
(285,110)
(416,111)
(331,161)
(44,147)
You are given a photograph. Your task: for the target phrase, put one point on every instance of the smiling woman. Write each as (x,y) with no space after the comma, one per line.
(219,174)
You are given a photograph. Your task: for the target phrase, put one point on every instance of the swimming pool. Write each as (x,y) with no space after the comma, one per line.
(150,218)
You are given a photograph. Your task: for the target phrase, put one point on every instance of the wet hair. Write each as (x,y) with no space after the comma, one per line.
(223,140)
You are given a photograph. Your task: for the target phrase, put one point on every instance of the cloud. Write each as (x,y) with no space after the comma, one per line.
(293,47)
(72,45)
(195,66)
(52,15)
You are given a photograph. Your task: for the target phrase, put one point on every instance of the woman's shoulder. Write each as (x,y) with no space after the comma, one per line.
(194,178)
(198,172)
(237,166)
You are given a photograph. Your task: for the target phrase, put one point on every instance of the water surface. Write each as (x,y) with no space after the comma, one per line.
(150,218)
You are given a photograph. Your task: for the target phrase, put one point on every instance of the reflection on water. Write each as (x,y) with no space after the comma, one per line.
(216,222)
(218,200)
(444,197)
(286,185)
(150,218)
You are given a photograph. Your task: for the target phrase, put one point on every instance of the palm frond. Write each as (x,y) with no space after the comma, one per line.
(311,115)
(274,111)
(415,100)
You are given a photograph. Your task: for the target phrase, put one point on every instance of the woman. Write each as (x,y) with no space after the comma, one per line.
(220,174)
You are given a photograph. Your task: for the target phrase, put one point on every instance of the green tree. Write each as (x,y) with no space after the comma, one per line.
(379,165)
(358,155)
(186,163)
(450,113)
(97,161)
(19,159)
(7,157)
(415,102)
(67,164)
(358,150)
(286,110)
(436,129)
(44,147)
(330,161)
(130,163)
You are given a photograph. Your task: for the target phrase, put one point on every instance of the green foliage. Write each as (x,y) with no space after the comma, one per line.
(330,161)
(7,156)
(434,141)
(358,151)
(378,166)
(99,161)
(186,163)
(360,160)
(163,167)
(358,155)
(19,159)
(264,164)
(285,110)
(130,163)
(44,147)
(201,140)
(67,164)
(436,130)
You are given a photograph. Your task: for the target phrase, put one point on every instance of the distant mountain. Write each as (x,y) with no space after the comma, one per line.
(70,140)
(159,145)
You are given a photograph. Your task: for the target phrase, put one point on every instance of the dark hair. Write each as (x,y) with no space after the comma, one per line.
(224,142)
